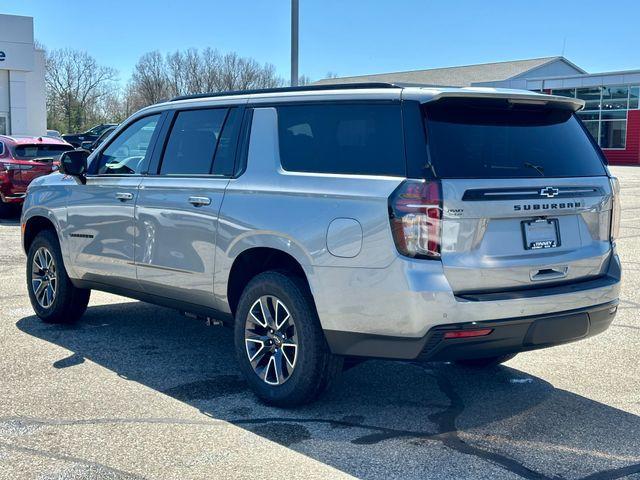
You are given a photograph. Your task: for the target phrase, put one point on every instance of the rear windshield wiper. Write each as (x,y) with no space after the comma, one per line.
(537,168)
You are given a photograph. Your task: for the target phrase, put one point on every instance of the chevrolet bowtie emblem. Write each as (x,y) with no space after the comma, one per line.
(549,192)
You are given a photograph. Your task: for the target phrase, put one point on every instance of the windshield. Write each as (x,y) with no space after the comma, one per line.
(32,152)
(496,139)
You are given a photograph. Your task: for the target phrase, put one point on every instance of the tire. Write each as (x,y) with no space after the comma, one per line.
(487,362)
(7,210)
(297,375)
(59,301)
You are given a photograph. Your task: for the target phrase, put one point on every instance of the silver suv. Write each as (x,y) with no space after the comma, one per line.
(336,222)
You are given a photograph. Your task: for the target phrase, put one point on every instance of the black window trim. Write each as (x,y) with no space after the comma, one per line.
(152,145)
(172,114)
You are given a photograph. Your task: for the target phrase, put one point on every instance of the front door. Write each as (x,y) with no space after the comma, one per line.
(177,209)
(100,226)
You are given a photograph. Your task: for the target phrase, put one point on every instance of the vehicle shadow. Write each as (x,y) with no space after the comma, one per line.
(383,419)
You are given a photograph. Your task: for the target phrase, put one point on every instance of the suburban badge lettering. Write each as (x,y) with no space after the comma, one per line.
(547,206)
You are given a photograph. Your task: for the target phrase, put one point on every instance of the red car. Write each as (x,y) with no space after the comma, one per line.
(21,160)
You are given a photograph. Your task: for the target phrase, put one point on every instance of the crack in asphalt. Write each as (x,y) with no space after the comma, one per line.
(120,474)
(283,431)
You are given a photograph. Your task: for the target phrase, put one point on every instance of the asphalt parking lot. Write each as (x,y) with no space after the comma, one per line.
(137,391)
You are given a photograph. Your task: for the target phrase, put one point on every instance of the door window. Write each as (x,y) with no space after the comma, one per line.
(128,153)
(192,142)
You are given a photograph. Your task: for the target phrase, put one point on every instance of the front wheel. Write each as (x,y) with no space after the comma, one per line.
(53,296)
(280,345)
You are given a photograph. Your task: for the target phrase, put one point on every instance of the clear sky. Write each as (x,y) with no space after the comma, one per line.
(348,37)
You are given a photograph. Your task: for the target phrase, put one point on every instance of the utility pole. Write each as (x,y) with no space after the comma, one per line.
(294,42)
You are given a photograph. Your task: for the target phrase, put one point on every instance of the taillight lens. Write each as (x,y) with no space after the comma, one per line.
(415,213)
(616,209)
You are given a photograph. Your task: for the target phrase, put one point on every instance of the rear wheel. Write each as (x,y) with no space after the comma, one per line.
(280,345)
(53,296)
(486,362)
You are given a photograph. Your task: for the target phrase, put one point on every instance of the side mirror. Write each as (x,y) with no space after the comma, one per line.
(74,163)
(86,145)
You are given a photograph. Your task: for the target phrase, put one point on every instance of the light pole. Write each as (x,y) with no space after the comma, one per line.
(294,42)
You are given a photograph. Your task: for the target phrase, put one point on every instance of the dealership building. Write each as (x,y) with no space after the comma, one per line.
(611,110)
(22,88)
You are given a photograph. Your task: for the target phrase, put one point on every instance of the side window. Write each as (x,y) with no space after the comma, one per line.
(192,142)
(1,149)
(342,139)
(127,154)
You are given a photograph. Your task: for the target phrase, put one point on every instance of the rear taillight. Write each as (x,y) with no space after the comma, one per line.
(415,213)
(615,208)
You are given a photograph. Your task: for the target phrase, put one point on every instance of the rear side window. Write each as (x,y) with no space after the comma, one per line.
(499,140)
(193,141)
(363,139)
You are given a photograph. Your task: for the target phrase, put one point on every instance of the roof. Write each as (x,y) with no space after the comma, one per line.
(361,91)
(28,140)
(462,76)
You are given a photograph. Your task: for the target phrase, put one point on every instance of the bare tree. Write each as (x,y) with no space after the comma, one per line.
(75,85)
(191,71)
(304,80)
(150,78)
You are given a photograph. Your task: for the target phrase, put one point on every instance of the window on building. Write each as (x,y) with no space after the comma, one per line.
(570,92)
(605,112)
(634,93)
(591,97)
(613,134)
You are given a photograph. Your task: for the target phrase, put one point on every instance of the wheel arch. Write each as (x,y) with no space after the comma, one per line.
(32,227)
(256,260)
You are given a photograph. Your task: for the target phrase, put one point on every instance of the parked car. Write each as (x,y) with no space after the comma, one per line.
(92,145)
(23,159)
(326,223)
(92,134)
(54,133)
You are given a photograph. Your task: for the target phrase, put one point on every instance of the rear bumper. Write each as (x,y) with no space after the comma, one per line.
(507,336)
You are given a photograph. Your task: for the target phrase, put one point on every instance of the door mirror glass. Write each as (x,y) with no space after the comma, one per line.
(74,163)
(86,145)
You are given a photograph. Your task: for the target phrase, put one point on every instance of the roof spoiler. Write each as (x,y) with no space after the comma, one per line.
(514,97)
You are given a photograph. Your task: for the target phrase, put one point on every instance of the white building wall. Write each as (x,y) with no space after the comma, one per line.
(36,97)
(22,93)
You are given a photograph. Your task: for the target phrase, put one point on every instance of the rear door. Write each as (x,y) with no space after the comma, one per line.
(177,211)
(526,196)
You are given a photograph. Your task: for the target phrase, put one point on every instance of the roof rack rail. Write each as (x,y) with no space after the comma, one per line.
(305,88)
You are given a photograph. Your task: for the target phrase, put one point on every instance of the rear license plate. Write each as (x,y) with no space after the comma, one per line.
(542,233)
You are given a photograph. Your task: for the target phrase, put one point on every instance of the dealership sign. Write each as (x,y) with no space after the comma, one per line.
(2,56)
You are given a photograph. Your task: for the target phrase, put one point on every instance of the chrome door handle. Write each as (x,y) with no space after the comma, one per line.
(199,201)
(124,196)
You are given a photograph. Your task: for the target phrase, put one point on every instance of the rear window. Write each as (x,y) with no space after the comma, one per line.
(501,140)
(342,138)
(33,152)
